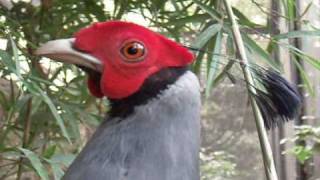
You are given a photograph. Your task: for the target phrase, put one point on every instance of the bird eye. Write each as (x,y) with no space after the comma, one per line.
(133,51)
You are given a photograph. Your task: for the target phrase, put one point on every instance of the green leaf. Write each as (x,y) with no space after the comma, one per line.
(66,160)
(73,121)
(36,104)
(213,13)
(36,90)
(57,161)
(230,46)
(206,35)
(243,20)
(189,19)
(309,59)
(312,61)
(297,34)
(213,65)
(253,46)
(36,163)
(6,59)
(291,9)
(305,78)
(196,66)
(49,151)
(16,58)
(225,71)
(302,153)
(55,114)
(57,171)
(223,74)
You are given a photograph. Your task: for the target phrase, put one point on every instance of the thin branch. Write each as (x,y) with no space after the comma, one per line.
(8,164)
(262,133)
(268,12)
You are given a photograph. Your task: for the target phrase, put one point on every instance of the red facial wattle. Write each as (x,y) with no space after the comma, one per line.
(94,86)
(124,74)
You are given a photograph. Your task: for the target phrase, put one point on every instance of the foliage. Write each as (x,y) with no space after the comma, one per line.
(311,137)
(217,165)
(46,111)
(42,95)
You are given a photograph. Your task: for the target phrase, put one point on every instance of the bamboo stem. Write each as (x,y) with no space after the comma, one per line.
(268,161)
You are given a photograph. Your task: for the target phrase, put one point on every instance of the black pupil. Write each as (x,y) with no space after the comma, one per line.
(132,50)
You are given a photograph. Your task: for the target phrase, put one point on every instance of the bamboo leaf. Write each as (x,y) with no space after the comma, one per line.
(57,171)
(36,163)
(297,34)
(312,61)
(55,163)
(66,160)
(16,58)
(305,78)
(223,74)
(225,71)
(36,90)
(206,35)
(49,151)
(214,63)
(243,20)
(55,113)
(253,46)
(309,59)
(6,59)
(213,13)
(196,66)
(189,19)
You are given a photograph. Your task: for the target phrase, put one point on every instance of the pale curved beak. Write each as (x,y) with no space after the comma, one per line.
(62,50)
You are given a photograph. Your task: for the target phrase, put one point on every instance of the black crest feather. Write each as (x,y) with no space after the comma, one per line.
(279,101)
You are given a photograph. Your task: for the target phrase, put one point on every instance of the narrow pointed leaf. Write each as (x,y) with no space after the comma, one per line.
(206,35)
(189,19)
(243,20)
(222,74)
(55,114)
(253,46)
(16,58)
(6,59)
(36,163)
(309,59)
(305,78)
(297,34)
(213,13)
(214,63)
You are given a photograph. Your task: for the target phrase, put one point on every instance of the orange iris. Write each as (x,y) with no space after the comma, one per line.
(133,51)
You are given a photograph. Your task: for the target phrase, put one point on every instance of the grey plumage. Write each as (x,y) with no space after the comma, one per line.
(159,141)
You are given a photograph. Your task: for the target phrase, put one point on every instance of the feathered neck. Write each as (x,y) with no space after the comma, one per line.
(150,89)
(159,140)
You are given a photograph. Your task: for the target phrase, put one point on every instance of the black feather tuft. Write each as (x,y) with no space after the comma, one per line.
(279,101)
